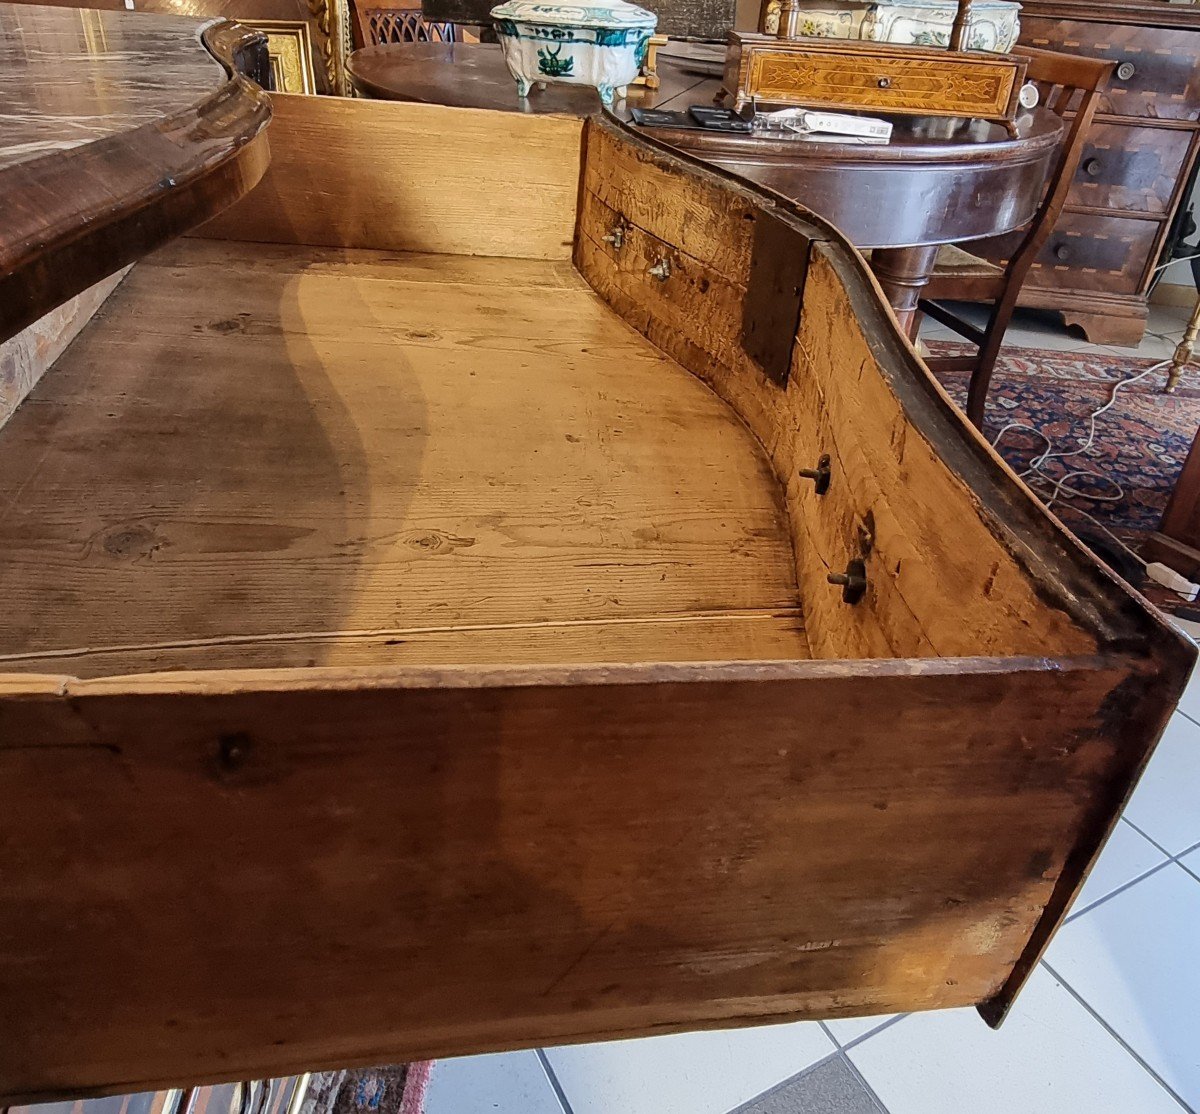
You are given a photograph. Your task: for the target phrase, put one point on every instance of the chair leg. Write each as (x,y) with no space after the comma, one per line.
(989,350)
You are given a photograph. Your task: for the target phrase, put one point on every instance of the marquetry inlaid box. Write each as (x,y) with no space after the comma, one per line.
(879,77)
(426,634)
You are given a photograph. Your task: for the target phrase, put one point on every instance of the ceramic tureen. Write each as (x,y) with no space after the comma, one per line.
(991,24)
(600,43)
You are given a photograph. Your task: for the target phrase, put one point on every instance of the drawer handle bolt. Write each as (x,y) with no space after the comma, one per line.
(661,270)
(819,475)
(1062,253)
(616,237)
(853,581)
(1092,168)
(1126,70)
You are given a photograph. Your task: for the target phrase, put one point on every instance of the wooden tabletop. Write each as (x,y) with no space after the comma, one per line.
(69,77)
(937,181)
(118,131)
(473,75)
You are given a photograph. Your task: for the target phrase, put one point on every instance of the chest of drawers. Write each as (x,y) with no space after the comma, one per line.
(1097,266)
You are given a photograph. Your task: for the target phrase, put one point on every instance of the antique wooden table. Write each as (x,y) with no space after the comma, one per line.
(937,182)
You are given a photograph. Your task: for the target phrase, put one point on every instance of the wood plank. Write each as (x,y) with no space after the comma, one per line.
(942,579)
(26,357)
(751,635)
(354,454)
(530,856)
(413,177)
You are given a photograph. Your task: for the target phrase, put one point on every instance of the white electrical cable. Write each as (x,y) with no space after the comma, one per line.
(1062,488)
(1177,259)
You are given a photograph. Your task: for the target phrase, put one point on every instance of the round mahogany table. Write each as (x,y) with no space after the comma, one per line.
(937,182)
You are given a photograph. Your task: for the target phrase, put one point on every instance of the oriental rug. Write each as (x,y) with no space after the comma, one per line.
(1138,450)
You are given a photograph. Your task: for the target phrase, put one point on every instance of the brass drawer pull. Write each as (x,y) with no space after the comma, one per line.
(1126,70)
(1091,168)
(1062,253)
(616,237)
(885,83)
(661,270)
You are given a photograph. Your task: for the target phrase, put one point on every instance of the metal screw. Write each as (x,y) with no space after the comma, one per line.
(661,270)
(853,581)
(616,237)
(820,475)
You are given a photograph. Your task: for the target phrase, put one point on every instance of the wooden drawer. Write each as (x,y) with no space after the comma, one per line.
(1162,80)
(1088,252)
(1130,168)
(879,76)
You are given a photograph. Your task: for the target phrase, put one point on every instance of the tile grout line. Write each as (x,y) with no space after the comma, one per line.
(1145,836)
(853,1069)
(872,1032)
(552,1079)
(1119,890)
(830,1055)
(1180,712)
(1140,878)
(1117,1037)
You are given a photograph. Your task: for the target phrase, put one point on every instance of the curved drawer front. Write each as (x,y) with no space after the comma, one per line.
(1129,168)
(1157,74)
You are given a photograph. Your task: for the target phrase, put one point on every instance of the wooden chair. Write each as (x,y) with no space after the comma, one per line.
(1071,87)
(384,24)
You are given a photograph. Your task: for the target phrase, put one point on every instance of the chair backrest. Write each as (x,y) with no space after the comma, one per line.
(378,25)
(1070,86)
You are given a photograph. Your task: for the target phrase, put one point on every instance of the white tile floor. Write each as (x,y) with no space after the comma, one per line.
(1108,1024)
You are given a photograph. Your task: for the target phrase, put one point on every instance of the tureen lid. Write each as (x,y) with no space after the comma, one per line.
(594,13)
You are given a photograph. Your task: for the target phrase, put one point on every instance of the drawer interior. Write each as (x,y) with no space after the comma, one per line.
(270,455)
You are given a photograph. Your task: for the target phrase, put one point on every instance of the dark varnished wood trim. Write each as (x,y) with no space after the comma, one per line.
(73,217)
(240,49)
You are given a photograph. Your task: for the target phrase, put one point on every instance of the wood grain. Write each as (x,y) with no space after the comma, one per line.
(292,478)
(934,588)
(26,357)
(351,459)
(879,77)
(406,865)
(321,188)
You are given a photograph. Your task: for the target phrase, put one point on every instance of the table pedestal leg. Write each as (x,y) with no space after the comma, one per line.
(903,273)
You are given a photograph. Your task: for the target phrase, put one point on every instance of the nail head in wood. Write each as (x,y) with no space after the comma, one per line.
(853,581)
(820,475)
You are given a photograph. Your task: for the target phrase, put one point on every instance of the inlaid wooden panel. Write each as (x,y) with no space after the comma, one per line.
(1130,168)
(1093,252)
(875,76)
(1086,252)
(1161,78)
